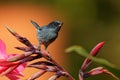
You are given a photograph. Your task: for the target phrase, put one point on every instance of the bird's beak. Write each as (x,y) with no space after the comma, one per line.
(60,24)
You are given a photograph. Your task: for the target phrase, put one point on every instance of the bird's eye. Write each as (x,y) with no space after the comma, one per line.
(56,24)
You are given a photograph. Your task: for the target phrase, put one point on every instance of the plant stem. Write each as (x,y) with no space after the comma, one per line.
(61,68)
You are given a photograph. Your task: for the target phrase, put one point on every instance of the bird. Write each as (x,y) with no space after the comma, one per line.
(48,33)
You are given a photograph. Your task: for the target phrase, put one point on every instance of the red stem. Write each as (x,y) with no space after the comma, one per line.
(61,68)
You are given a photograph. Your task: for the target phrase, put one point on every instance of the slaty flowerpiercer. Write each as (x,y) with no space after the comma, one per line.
(48,33)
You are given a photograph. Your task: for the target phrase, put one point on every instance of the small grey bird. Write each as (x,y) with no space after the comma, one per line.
(48,33)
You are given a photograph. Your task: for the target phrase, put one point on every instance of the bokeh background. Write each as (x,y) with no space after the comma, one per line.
(86,22)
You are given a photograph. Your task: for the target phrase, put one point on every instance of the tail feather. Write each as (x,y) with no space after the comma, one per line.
(35,25)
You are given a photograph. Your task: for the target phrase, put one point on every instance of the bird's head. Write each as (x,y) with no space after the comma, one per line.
(55,25)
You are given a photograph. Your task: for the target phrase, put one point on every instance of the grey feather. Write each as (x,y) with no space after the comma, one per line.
(47,34)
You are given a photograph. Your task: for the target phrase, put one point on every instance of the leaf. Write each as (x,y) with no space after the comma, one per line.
(81,51)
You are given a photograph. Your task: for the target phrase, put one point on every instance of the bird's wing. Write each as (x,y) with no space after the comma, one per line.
(46,35)
(35,24)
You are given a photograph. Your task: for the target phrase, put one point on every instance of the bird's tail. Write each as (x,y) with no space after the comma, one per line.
(35,24)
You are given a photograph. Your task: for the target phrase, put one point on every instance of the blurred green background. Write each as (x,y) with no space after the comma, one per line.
(87,22)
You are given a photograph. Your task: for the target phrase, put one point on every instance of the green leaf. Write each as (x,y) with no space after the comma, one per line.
(109,66)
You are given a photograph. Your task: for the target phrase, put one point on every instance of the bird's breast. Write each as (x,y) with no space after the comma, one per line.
(46,35)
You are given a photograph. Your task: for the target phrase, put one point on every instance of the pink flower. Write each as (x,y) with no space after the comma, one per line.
(93,53)
(10,69)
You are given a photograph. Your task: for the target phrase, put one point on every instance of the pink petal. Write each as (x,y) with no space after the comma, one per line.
(93,53)
(15,72)
(3,54)
(12,77)
(97,48)
(3,69)
(19,69)
(4,63)
(96,71)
